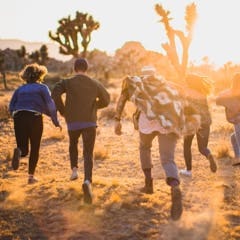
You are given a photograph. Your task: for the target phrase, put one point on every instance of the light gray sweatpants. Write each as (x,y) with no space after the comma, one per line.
(167,144)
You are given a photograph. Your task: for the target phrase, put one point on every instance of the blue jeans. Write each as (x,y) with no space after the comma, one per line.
(167,144)
(88,138)
(235,140)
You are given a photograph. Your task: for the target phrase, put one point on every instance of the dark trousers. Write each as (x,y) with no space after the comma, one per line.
(202,141)
(28,128)
(88,138)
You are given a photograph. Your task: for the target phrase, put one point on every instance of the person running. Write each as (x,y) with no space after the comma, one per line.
(160,114)
(197,93)
(230,99)
(27,105)
(84,96)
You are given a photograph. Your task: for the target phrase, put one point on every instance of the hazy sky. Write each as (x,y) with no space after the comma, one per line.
(216,35)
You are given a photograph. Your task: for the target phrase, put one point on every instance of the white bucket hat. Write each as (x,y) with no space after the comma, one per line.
(148,70)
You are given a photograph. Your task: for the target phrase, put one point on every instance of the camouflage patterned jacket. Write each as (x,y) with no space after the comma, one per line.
(162,100)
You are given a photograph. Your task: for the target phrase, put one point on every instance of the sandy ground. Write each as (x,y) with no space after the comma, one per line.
(54,209)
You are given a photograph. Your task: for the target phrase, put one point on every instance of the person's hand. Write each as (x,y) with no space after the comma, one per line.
(212,98)
(117,127)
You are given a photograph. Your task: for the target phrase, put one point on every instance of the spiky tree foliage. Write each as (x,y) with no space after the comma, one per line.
(35,56)
(69,32)
(22,52)
(43,54)
(2,69)
(179,63)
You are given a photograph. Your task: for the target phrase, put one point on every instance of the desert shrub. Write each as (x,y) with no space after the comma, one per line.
(222,150)
(53,136)
(107,113)
(224,129)
(4,113)
(100,153)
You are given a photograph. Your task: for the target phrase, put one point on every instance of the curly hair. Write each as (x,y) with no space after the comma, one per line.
(33,73)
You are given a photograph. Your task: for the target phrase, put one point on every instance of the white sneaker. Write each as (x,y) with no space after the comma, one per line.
(185,172)
(87,192)
(74,175)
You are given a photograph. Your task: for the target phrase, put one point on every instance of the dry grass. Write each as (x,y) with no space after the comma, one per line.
(222,150)
(4,113)
(223,129)
(101,153)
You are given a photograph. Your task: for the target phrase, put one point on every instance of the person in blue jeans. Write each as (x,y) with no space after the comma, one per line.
(196,92)
(27,105)
(84,96)
(166,98)
(230,99)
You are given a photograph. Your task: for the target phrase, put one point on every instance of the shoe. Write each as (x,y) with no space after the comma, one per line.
(148,188)
(32,180)
(16,158)
(176,208)
(87,192)
(236,162)
(213,165)
(185,172)
(74,175)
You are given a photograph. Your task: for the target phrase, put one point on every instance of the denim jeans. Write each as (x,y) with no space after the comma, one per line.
(28,127)
(167,144)
(202,141)
(88,138)
(235,140)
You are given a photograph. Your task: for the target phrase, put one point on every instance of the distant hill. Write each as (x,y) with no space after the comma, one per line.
(53,49)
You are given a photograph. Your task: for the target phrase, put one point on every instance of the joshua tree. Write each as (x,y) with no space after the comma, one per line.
(40,56)
(67,34)
(35,56)
(43,54)
(185,38)
(2,69)
(22,52)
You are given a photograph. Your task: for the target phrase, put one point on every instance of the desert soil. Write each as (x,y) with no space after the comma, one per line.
(53,208)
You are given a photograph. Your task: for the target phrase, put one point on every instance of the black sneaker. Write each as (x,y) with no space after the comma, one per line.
(176,208)
(213,165)
(236,162)
(87,192)
(148,187)
(32,180)
(16,158)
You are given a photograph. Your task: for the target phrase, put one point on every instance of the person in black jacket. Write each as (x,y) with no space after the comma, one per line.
(84,96)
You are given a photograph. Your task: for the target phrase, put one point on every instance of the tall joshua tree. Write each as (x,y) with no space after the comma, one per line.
(69,31)
(180,64)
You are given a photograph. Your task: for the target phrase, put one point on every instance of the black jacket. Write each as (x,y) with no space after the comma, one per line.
(83,97)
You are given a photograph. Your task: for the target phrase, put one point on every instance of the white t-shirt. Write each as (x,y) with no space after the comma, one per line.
(147,126)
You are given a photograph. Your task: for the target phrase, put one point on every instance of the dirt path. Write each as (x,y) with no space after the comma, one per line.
(53,208)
